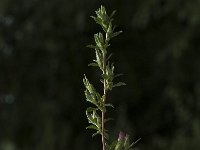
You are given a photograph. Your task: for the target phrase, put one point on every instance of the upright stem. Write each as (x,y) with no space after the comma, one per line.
(103,113)
(103,140)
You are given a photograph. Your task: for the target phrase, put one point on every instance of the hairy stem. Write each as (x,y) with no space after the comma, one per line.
(103,139)
(103,113)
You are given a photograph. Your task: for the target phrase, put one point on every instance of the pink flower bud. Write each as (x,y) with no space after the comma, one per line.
(121,136)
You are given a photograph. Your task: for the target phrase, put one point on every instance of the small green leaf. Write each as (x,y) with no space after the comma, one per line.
(118,75)
(92,127)
(90,98)
(101,81)
(93,17)
(113,13)
(106,135)
(132,144)
(119,84)
(91,46)
(113,145)
(97,20)
(93,64)
(109,32)
(99,40)
(98,132)
(119,145)
(110,85)
(93,117)
(109,105)
(105,76)
(99,58)
(109,57)
(109,119)
(116,34)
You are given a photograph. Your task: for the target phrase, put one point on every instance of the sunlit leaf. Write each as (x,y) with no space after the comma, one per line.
(92,127)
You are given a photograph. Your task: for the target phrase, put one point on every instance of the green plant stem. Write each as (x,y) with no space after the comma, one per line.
(104,99)
(103,139)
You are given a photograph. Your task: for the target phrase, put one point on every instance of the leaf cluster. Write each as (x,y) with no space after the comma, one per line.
(101,45)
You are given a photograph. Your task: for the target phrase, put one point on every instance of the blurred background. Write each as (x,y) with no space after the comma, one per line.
(43,58)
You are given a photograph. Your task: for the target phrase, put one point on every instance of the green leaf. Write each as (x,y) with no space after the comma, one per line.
(97,20)
(116,34)
(92,127)
(119,84)
(113,13)
(109,105)
(99,58)
(106,135)
(105,76)
(126,142)
(132,144)
(90,98)
(118,75)
(93,64)
(88,86)
(109,32)
(93,117)
(113,145)
(101,81)
(99,40)
(98,132)
(109,119)
(119,145)
(110,85)
(109,57)
(91,46)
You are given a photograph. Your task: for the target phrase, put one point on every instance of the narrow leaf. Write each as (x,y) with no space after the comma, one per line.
(118,75)
(134,142)
(91,46)
(92,127)
(109,105)
(98,132)
(109,57)
(119,84)
(105,76)
(93,64)
(116,33)
(109,119)
(113,13)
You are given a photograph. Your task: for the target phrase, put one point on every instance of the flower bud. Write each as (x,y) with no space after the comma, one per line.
(121,136)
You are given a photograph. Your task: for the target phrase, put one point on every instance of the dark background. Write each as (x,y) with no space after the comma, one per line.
(43,58)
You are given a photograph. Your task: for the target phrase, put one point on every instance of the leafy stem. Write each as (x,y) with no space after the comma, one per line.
(96,121)
(104,100)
